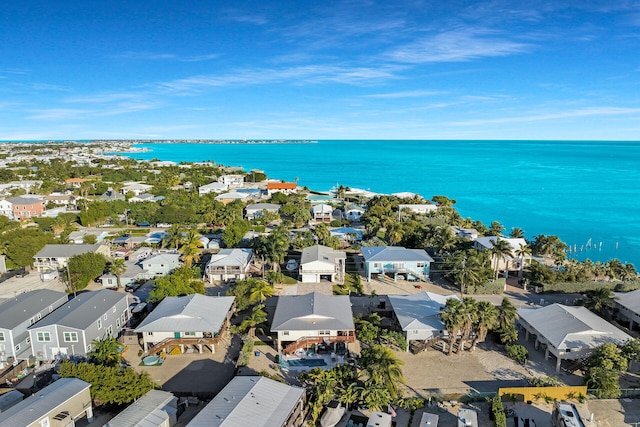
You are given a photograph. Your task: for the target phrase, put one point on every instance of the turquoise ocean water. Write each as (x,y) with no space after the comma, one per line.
(579,191)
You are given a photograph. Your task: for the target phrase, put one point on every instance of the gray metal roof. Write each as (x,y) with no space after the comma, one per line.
(17,310)
(230,257)
(419,311)
(629,300)
(148,411)
(321,253)
(262,206)
(161,258)
(571,327)
(250,401)
(65,251)
(394,253)
(313,312)
(191,313)
(7,400)
(81,311)
(41,403)
(22,200)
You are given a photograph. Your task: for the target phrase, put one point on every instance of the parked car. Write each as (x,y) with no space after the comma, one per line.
(144,224)
(22,273)
(49,275)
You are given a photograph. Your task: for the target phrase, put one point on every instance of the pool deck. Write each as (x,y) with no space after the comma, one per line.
(329,362)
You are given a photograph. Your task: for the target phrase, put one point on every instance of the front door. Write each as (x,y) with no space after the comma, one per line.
(176,334)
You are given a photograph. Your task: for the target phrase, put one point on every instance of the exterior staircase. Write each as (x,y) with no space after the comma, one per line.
(173,342)
(308,341)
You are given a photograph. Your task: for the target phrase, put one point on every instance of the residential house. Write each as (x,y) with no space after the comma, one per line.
(626,306)
(231,181)
(354,212)
(111,196)
(321,213)
(59,404)
(422,209)
(23,207)
(229,264)
(160,264)
(395,260)
(322,263)
(192,320)
(418,315)
(74,182)
(465,233)
(26,185)
(54,256)
(509,262)
(568,333)
(302,320)
(136,188)
(157,408)
(256,401)
(256,210)
(231,196)
(146,197)
(348,235)
(66,200)
(281,187)
(214,187)
(132,273)
(70,329)
(17,314)
(9,399)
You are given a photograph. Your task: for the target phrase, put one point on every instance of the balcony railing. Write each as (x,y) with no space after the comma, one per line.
(306,341)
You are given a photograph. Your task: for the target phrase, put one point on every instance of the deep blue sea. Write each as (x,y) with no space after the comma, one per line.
(573,189)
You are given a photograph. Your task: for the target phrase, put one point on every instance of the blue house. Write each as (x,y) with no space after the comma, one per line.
(395,260)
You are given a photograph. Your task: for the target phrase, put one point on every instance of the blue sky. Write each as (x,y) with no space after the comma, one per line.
(320,70)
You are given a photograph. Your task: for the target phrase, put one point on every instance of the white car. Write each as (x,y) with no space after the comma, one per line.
(291,265)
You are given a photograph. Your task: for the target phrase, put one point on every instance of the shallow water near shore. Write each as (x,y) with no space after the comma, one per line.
(582,191)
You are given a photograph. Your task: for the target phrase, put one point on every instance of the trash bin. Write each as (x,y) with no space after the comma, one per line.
(257,353)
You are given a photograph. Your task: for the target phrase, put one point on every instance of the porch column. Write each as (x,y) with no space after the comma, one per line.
(546,354)
(526,334)
(89,412)
(144,341)
(213,348)
(181,348)
(558,361)
(200,348)
(537,344)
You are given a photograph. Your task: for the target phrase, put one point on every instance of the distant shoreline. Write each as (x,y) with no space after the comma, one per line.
(167,141)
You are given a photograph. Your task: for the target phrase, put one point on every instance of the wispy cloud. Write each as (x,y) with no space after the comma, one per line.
(406,94)
(235,15)
(458,46)
(58,114)
(294,75)
(584,112)
(152,56)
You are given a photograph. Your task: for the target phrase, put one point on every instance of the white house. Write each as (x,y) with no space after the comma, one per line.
(232,181)
(321,262)
(627,307)
(160,264)
(302,320)
(137,188)
(321,213)
(568,332)
(419,209)
(256,210)
(54,256)
(354,212)
(229,264)
(419,315)
(214,187)
(197,320)
(509,262)
(157,408)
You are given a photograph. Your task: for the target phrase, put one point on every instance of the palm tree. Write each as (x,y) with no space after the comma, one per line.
(322,232)
(468,318)
(117,267)
(105,352)
(394,233)
(486,319)
(383,368)
(516,233)
(500,250)
(275,247)
(190,248)
(450,314)
(260,292)
(600,300)
(507,316)
(495,229)
(350,395)
(250,322)
(522,252)
(174,237)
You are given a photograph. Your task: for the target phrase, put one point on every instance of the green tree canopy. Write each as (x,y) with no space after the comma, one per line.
(84,268)
(20,245)
(109,385)
(180,282)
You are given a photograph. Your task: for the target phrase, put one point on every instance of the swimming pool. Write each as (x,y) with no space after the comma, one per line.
(306,362)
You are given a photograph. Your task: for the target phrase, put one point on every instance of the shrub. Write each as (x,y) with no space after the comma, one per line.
(517,352)
(492,287)
(497,410)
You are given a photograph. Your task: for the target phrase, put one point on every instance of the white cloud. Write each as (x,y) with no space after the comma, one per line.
(457,46)
(406,94)
(584,112)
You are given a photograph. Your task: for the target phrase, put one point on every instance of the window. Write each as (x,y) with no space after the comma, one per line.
(32,321)
(43,336)
(109,330)
(420,265)
(50,308)
(285,333)
(38,316)
(324,333)
(105,317)
(70,337)
(114,310)
(18,347)
(1,336)
(117,323)
(28,340)
(99,324)
(44,422)
(150,334)
(189,334)
(88,348)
